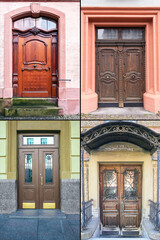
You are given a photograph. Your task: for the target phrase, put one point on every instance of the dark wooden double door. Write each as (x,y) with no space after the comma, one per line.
(38,178)
(120,78)
(120,196)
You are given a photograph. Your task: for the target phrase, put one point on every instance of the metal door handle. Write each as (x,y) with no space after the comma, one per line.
(49,68)
(41,181)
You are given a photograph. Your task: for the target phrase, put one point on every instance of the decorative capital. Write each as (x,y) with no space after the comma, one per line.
(35,9)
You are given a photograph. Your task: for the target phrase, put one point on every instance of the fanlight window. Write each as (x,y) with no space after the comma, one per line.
(41,23)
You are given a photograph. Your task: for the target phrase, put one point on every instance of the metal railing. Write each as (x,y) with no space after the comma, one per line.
(86,212)
(154,214)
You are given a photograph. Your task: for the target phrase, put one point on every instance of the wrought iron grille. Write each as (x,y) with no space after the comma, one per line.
(154,215)
(86,212)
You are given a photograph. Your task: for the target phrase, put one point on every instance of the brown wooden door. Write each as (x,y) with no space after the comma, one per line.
(120,66)
(34,66)
(120,196)
(38,178)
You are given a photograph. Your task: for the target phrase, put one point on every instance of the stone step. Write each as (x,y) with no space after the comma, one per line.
(34,101)
(34,111)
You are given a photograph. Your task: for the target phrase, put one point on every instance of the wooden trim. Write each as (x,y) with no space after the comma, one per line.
(15,66)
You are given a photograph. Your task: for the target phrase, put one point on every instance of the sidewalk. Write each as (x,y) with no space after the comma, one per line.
(66,227)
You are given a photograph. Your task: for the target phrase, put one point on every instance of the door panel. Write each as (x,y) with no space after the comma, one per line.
(49,187)
(34,67)
(107,73)
(28,179)
(133,74)
(38,178)
(120,196)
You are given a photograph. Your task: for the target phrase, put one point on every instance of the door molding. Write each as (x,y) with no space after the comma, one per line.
(35,9)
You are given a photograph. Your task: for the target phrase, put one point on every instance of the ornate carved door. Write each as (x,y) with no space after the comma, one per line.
(120,198)
(120,66)
(35,58)
(38,171)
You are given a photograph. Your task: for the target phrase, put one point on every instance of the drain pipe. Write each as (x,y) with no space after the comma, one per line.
(83,200)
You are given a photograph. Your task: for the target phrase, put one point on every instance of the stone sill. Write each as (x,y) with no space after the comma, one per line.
(148,229)
(91,228)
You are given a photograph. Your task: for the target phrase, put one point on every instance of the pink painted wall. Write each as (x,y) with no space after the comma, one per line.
(68,47)
(95,17)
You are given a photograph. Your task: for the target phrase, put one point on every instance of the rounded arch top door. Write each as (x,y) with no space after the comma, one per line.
(34,58)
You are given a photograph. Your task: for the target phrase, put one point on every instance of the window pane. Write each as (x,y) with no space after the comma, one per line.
(48,168)
(28,168)
(109,34)
(29,23)
(41,23)
(38,140)
(132,33)
(51,25)
(110,184)
(130,184)
(19,24)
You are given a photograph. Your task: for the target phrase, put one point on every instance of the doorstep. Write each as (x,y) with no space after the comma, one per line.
(90,229)
(149,230)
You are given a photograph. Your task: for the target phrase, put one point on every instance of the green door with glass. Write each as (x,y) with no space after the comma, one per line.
(38,171)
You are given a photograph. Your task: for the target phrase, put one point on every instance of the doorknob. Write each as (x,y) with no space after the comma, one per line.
(49,68)
(41,180)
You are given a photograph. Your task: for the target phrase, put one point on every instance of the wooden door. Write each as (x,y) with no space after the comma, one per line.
(120,78)
(38,178)
(34,67)
(120,196)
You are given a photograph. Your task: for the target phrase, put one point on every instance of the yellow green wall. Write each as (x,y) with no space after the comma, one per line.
(3,150)
(68,147)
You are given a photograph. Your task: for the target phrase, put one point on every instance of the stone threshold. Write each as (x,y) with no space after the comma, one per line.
(149,230)
(91,228)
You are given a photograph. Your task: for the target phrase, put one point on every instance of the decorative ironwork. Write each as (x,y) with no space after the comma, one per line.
(87,206)
(110,184)
(133,130)
(130,184)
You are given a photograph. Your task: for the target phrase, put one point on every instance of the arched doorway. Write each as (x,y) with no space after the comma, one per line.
(35,65)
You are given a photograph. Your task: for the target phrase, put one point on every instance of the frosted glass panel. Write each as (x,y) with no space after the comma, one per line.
(131,33)
(109,34)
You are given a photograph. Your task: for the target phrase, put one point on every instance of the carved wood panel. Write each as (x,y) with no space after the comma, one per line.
(120,74)
(35,65)
(120,196)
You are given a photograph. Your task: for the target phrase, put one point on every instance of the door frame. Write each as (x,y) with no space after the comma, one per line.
(119,43)
(126,165)
(23,147)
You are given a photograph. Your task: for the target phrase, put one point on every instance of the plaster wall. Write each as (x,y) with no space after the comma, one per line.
(137,156)
(69,90)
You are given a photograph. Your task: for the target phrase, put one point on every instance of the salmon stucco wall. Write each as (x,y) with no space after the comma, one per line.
(93,17)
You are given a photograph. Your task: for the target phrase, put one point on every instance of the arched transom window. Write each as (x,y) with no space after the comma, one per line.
(30,22)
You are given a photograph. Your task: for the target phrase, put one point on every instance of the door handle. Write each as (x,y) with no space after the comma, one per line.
(41,180)
(49,68)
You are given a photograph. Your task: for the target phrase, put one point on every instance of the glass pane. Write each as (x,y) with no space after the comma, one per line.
(38,140)
(108,33)
(132,33)
(28,168)
(110,184)
(48,168)
(18,24)
(51,25)
(28,23)
(130,184)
